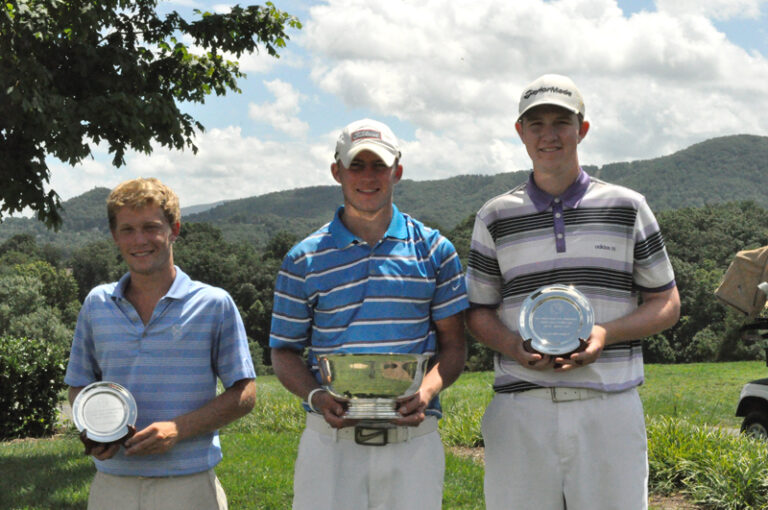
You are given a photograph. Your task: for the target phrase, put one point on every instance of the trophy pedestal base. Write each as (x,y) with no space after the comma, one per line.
(372,409)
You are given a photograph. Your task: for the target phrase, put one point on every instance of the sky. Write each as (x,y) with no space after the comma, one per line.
(446,76)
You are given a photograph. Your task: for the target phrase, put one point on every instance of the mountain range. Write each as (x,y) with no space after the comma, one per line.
(725,169)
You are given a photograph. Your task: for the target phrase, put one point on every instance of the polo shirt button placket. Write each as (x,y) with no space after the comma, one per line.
(559,225)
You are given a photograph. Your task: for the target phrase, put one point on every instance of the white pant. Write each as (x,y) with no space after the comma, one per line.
(200,491)
(339,474)
(580,455)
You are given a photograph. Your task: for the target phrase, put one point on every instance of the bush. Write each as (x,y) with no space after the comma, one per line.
(711,466)
(656,349)
(31,376)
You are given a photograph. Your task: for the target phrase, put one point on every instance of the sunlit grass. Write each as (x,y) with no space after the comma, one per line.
(700,393)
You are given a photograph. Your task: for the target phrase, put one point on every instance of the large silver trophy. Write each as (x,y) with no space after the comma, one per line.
(556,320)
(372,384)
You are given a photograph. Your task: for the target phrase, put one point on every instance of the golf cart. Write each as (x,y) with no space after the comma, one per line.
(753,401)
(745,287)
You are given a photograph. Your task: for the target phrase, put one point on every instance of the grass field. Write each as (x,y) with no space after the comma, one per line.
(683,403)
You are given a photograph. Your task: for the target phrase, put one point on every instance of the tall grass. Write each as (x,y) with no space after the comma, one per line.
(464,404)
(712,466)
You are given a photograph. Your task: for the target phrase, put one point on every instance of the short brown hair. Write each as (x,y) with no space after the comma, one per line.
(138,193)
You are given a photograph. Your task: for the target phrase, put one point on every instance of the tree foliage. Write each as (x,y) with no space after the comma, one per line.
(78,72)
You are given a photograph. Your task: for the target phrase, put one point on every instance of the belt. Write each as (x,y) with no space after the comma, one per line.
(372,433)
(560,394)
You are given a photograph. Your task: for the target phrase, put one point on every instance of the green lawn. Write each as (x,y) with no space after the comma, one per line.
(260,449)
(701,393)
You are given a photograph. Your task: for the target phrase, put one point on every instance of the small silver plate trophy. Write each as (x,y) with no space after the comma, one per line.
(106,411)
(372,384)
(556,320)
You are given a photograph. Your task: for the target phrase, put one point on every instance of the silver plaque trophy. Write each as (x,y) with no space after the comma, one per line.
(106,411)
(556,320)
(372,384)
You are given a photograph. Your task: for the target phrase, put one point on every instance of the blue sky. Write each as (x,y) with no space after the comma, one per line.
(657,77)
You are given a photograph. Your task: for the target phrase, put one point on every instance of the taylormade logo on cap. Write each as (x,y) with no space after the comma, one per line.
(367,135)
(551,89)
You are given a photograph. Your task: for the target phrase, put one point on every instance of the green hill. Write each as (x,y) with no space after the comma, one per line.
(712,172)
(726,169)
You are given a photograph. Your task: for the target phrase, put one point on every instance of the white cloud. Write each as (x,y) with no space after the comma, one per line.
(194,4)
(654,82)
(222,8)
(450,73)
(282,113)
(715,9)
(229,165)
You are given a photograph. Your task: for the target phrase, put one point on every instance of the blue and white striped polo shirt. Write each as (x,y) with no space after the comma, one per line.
(170,365)
(334,293)
(601,238)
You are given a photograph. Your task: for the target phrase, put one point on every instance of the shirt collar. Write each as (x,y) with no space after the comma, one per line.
(571,197)
(343,237)
(178,289)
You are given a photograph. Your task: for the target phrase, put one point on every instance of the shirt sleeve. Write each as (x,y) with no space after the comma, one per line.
(652,268)
(233,356)
(291,308)
(451,292)
(484,280)
(82,368)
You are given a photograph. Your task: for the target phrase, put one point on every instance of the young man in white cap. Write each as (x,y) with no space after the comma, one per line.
(567,431)
(373,280)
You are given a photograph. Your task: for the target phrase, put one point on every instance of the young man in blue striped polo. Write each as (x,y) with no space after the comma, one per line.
(166,338)
(373,280)
(567,431)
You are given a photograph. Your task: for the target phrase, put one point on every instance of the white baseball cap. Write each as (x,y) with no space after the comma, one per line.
(367,135)
(552,89)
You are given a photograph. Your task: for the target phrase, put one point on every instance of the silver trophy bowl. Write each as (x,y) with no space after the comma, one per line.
(372,384)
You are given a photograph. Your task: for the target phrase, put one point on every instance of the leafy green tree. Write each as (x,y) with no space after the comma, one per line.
(279,245)
(76,72)
(24,313)
(702,242)
(51,254)
(204,255)
(21,243)
(59,288)
(95,263)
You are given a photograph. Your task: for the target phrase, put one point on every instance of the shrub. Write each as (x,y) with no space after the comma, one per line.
(31,376)
(710,465)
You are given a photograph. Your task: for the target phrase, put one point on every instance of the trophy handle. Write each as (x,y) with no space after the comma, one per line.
(325,371)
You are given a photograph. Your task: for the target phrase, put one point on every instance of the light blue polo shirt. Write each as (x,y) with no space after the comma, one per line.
(170,365)
(337,294)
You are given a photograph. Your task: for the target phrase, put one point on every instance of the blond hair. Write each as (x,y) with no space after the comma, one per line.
(139,193)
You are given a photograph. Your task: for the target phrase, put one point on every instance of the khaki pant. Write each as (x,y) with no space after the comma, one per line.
(200,491)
